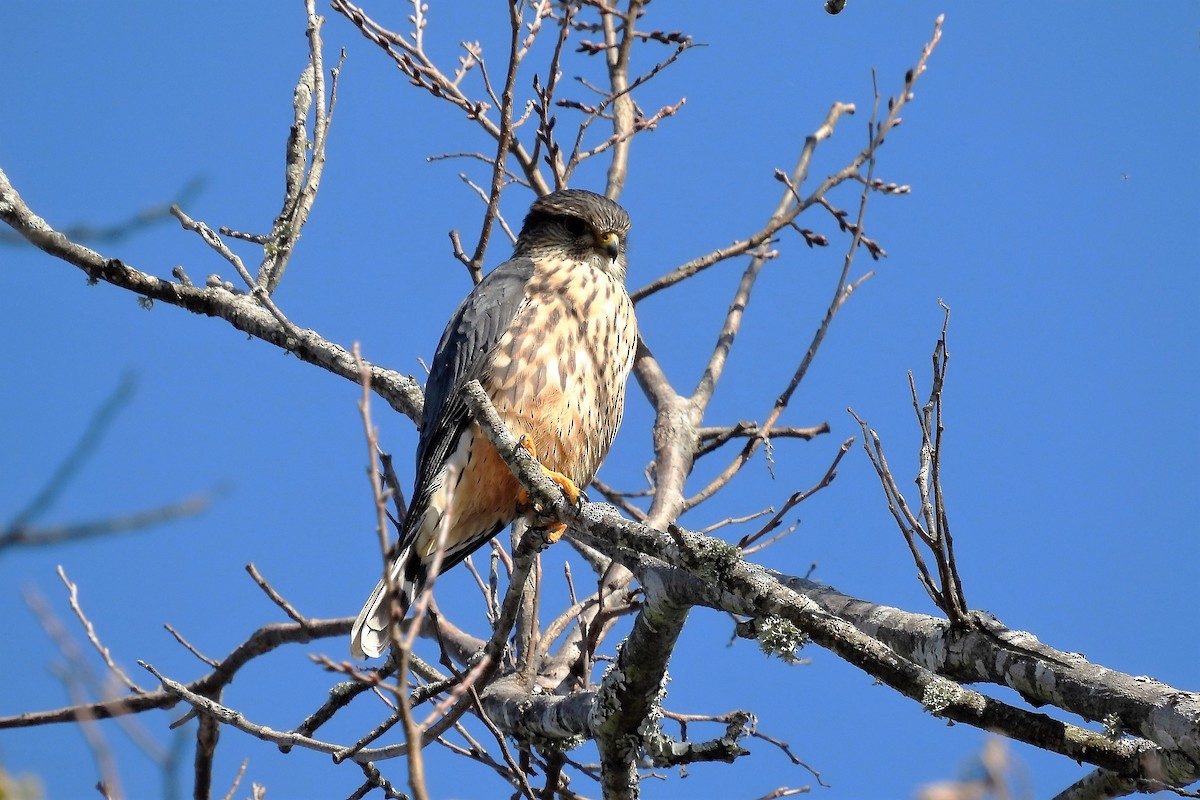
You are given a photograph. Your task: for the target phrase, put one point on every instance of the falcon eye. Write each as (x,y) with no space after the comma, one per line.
(576,227)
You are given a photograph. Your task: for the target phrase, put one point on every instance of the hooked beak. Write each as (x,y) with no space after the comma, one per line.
(610,243)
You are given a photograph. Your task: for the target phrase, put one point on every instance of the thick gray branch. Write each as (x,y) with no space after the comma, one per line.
(628,702)
(534,717)
(992,653)
(1170,753)
(1168,718)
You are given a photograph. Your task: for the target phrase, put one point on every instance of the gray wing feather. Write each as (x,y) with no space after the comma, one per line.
(463,354)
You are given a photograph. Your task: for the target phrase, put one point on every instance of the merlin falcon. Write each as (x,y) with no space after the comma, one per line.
(550,334)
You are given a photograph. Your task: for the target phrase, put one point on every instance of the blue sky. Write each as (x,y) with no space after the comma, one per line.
(1054,207)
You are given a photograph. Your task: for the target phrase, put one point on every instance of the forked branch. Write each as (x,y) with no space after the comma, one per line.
(929,527)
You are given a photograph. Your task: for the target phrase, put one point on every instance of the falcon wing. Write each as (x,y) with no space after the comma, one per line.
(464,354)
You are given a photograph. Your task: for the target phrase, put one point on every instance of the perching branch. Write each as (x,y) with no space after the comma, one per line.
(720,579)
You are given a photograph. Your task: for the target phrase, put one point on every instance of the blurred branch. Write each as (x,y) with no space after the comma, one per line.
(93,433)
(79,679)
(119,231)
(57,534)
(990,774)
(109,784)
(241,311)
(21,533)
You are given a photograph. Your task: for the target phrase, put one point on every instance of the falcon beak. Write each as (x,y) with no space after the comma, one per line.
(610,243)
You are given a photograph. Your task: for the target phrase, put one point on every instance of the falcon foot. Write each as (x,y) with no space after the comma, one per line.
(552,530)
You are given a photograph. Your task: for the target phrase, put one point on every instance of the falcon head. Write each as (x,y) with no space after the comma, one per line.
(578,225)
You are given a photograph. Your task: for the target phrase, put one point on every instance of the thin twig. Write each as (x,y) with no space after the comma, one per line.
(301,183)
(188,646)
(522,780)
(712,438)
(275,596)
(798,497)
(410,56)
(237,780)
(90,630)
(259,292)
(619,499)
(736,520)
(504,142)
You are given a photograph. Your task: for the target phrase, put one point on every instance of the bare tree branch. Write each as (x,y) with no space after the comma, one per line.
(412,60)
(538,687)
(41,535)
(241,311)
(117,232)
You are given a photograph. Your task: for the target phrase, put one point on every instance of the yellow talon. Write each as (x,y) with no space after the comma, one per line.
(527,445)
(553,532)
(569,489)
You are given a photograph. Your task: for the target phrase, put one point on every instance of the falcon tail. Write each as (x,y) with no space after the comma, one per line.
(369,636)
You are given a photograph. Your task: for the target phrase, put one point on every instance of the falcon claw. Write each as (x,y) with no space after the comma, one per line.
(571,492)
(551,532)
